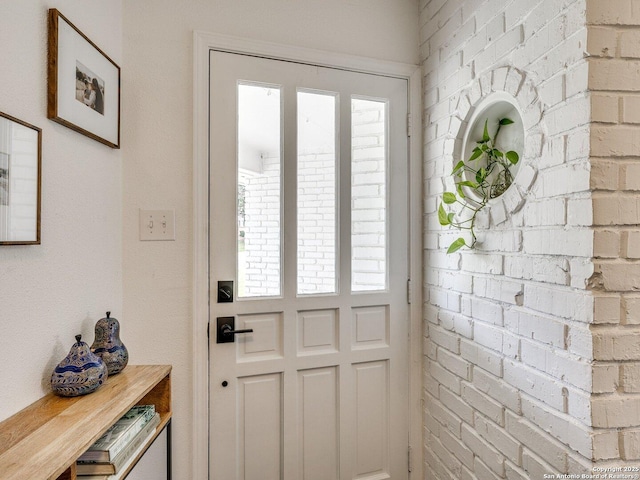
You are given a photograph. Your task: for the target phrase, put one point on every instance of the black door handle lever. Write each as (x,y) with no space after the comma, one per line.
(228,330)
(225,330)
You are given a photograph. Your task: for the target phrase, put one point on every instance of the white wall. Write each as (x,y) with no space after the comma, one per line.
(50,292)
(157,133)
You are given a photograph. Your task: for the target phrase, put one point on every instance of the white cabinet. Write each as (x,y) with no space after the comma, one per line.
(153,464)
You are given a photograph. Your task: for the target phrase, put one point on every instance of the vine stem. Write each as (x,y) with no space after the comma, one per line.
(483,187)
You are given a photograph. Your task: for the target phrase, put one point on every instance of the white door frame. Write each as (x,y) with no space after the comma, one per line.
(203,42)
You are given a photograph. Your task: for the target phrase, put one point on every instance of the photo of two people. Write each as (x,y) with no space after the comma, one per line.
(89,88)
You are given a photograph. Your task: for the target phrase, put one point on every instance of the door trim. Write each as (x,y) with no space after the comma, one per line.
(203,42)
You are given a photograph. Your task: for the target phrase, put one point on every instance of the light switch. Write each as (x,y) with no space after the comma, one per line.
(157,224)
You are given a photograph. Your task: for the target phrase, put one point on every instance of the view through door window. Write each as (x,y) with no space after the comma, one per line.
(260,192)
(317,199)
(368,195)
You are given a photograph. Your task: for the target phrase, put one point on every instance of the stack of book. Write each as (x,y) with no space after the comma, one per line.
(119,445)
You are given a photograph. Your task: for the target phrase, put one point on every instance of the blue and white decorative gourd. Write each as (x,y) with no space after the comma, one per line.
(108,345)
(79,373)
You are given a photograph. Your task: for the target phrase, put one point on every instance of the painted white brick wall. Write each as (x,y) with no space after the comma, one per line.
(614,31)
(368,195)
(509,370)
(317,222)
(262,230)
(545,328)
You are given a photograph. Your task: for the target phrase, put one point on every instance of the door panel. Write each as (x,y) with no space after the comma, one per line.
(317,332)
(265,342)
(370,327)
(371,390)
(309,219)
(318,422)
(259,427)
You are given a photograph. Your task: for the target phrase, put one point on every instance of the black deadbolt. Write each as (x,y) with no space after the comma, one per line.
(225,291)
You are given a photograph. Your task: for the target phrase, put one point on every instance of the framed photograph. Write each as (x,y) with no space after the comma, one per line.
(84,83)
(20,167)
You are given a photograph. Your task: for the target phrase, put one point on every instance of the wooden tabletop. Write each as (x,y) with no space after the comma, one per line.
(45,439)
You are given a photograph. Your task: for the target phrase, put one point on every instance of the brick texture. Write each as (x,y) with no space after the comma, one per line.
(542,315)
(532,362)
(614,34)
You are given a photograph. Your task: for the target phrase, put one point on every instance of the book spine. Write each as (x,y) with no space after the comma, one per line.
(92,467)
(135,444)
(119,428)
(83,469)
(124,440)
(108,446)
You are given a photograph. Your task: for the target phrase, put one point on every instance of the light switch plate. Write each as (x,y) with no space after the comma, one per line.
(157,225)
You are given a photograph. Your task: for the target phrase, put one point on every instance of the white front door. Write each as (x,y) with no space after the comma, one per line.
(309,251)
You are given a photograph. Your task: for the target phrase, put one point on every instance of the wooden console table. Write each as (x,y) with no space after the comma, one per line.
(43,441)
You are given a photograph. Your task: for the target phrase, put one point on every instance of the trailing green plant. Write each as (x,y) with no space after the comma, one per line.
(490,178)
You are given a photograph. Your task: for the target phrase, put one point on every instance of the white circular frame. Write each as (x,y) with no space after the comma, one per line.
(505,87)
(493,108)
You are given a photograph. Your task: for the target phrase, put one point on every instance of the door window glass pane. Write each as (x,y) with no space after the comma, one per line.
(316,193)
(368,195)
(259,191)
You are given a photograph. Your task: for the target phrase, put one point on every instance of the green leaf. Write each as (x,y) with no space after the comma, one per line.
(442,216)
(460,191)
(450,217)
(481,175)
(485,134)
(468,183)
(506,121)
(491,153)
(449,198)
(458,166)
(456,245)
(498,153)
(512,156)
(477,152)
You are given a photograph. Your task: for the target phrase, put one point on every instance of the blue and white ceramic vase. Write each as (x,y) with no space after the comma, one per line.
(79,373)
(108,345)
